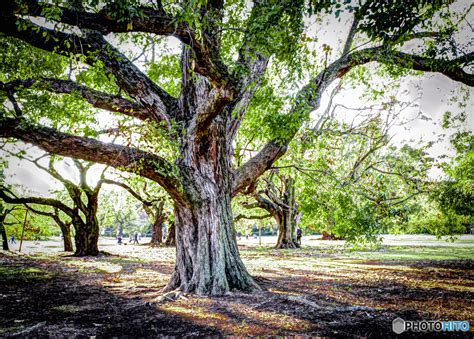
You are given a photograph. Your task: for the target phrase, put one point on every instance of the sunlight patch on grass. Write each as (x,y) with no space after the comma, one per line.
(276,320)
(457,286)
(24,272)
(238,319)
(95,266)
(68,308)
(418,253)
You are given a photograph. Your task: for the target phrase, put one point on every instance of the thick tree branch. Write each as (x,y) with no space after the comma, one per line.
(252,217)
(98,99)
(453,68)
(94,47)
(121,157)
(350,37)
(12,199)
(148,20)
(151,20)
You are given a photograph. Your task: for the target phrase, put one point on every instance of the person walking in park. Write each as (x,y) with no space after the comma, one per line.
(119,237)
(37,238)
(299,234)
(12,239)
(135,239)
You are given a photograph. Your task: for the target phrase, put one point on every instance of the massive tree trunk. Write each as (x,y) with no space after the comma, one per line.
(4,233)
(171,237)
(207,257)
(159,218)
(67,241)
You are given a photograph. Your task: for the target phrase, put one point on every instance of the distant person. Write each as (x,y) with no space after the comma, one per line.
(12,239)
(239,235)
(135,239)
(164,230)
(119,238)
(299,234)
(247,236)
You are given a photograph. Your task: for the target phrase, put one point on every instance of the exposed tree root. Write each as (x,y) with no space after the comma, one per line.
(303,300)
(28,330)
(171,296)
(287,245)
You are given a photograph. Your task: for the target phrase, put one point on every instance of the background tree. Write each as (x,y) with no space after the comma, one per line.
(84,201)
(227,51)
(3,214)
(64,225)
(349,158)
(154,202)
(279,200)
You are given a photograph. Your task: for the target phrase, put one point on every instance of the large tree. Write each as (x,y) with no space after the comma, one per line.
(227,50)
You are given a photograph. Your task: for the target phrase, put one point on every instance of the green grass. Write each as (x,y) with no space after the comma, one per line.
(24,273)
(416,253)
(439,250)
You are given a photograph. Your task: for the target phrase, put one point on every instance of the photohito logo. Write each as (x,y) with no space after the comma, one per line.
(399,326)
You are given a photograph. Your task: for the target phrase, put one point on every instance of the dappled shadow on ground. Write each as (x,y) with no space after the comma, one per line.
(318,296)
(40,300)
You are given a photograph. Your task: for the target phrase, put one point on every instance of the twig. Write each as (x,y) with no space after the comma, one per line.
(28,330)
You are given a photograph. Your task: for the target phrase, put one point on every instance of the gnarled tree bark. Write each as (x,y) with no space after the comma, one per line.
(171,237)
(3,231)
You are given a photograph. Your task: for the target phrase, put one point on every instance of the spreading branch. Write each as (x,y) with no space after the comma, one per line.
(252,217)
(130,190)
(309,97)
(10,198)
(121,157)
(98,99)
(95,48)
(153,20)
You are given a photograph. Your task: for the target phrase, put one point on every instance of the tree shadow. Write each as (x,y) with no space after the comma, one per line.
(69,303)
(41,302)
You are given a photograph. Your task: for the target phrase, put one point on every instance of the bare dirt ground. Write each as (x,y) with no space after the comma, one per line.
(319,290)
